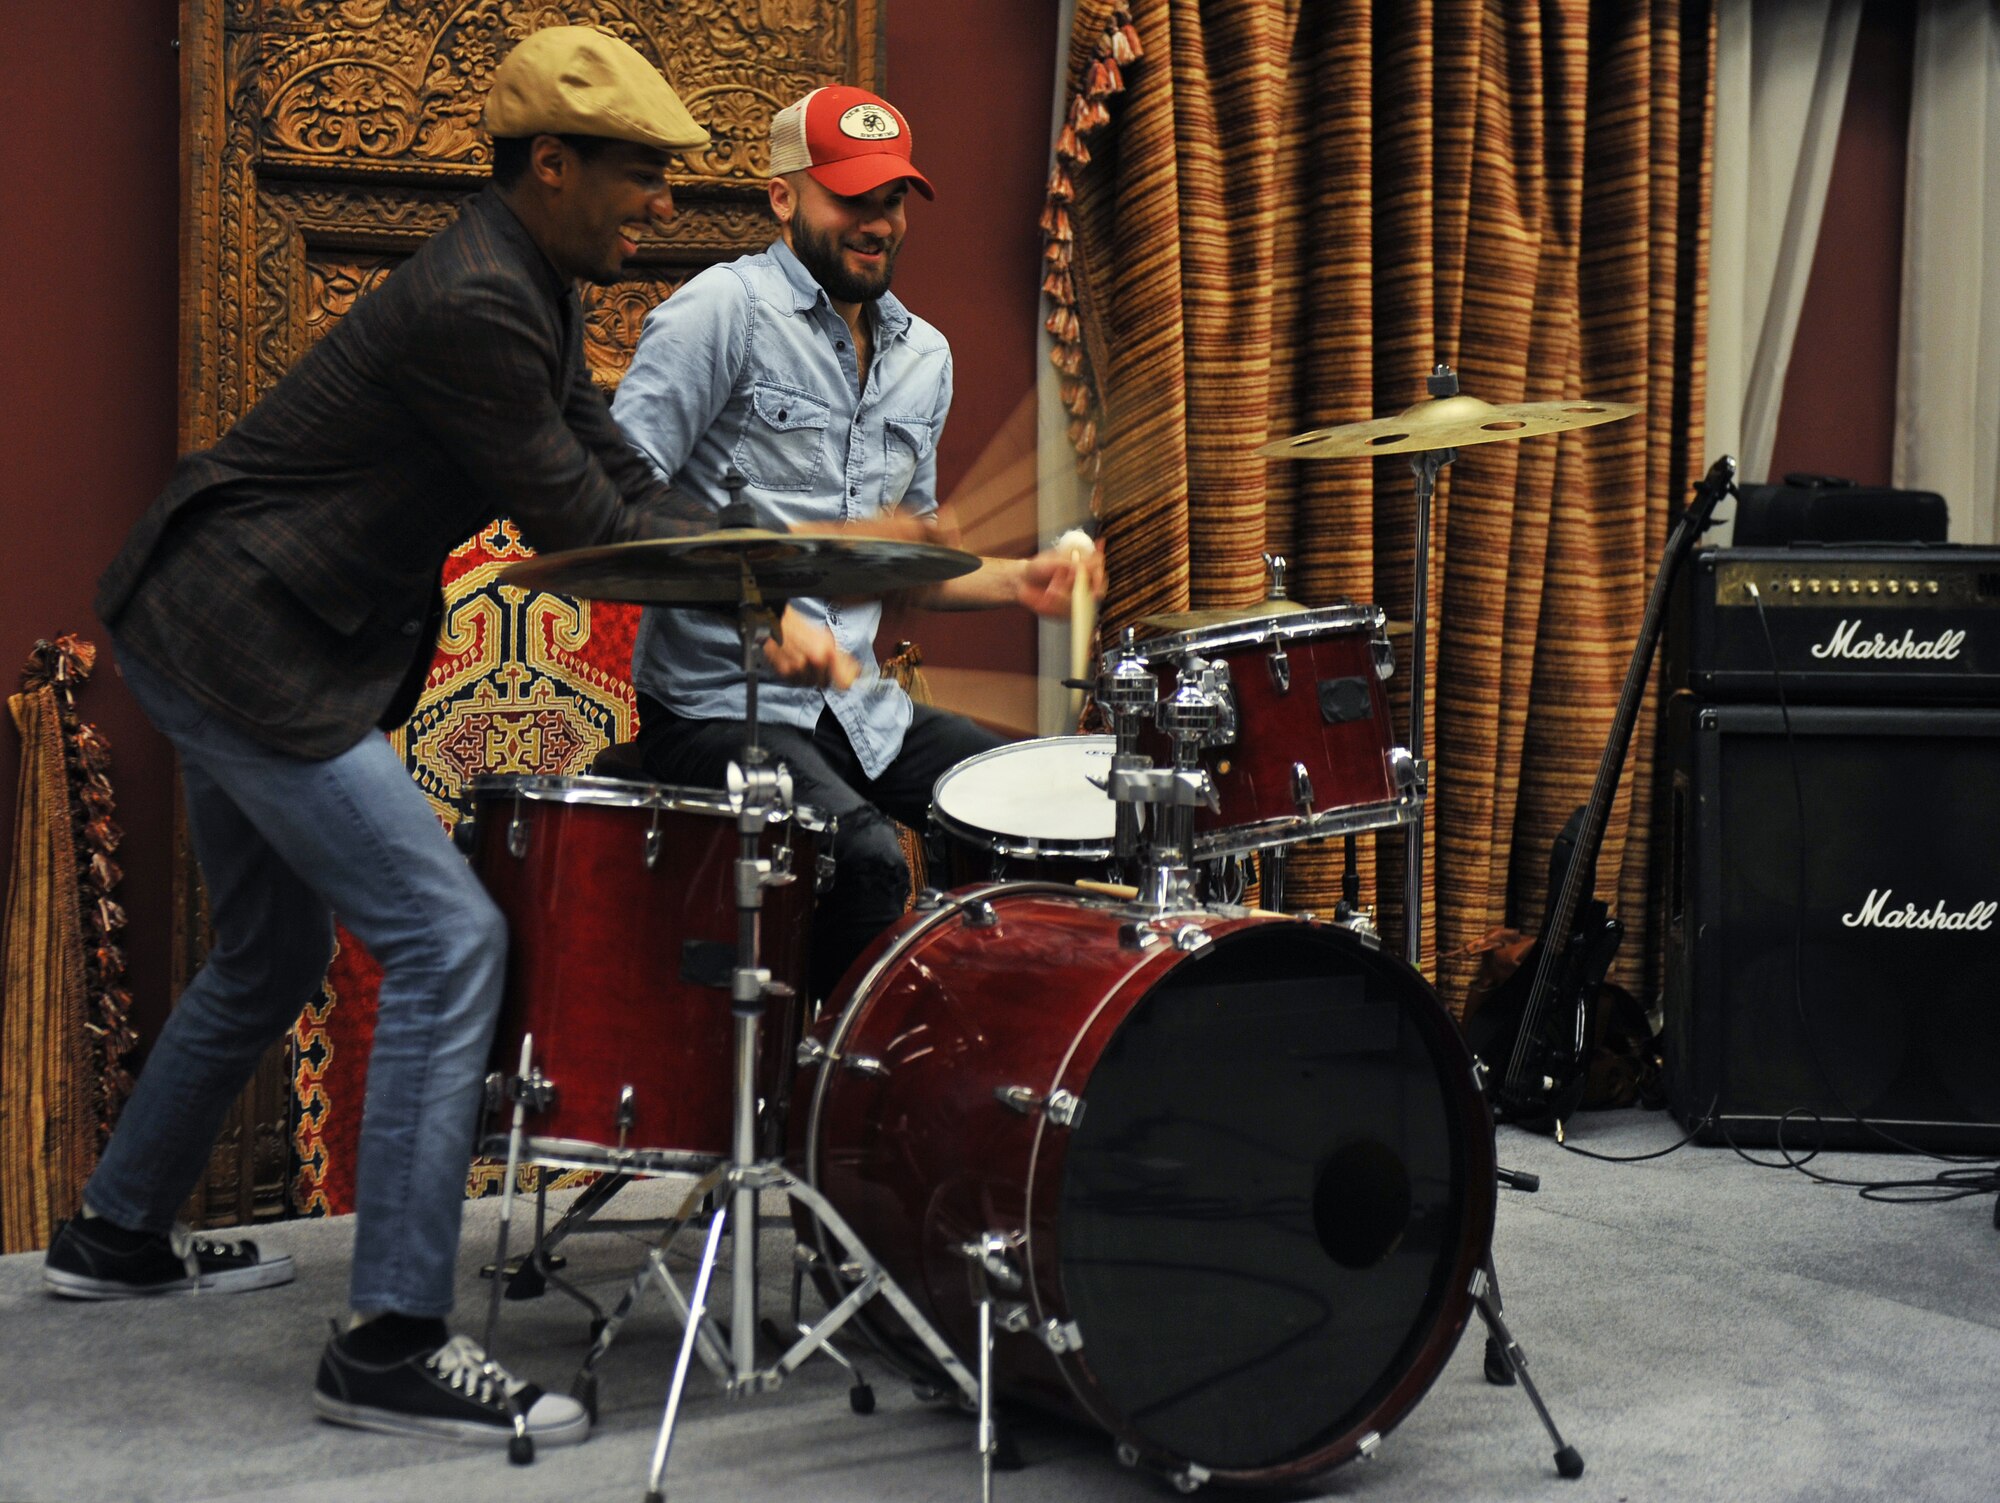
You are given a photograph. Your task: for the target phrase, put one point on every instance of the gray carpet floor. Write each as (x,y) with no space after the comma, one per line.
(1701,1329)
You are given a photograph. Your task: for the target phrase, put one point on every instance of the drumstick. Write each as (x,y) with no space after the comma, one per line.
(1082,613)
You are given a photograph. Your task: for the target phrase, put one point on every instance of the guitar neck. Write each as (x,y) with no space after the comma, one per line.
(1580,881)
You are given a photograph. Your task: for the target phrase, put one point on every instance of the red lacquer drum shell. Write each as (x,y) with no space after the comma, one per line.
(1306,750)
(1240,1160)
(621,915)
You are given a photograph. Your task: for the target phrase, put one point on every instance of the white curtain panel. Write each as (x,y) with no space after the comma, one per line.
(1948,367)
(1781,73)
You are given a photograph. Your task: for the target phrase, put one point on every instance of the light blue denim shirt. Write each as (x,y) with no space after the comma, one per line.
(748,367)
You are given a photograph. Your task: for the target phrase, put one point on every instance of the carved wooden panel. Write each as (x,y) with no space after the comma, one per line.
(326,139)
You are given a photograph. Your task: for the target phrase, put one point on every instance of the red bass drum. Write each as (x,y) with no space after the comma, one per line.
(1240,1162)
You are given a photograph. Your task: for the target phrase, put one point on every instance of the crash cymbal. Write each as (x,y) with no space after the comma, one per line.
(709,569)
(1455,422)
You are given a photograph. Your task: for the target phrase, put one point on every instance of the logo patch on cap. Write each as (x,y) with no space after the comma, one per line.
(869,122)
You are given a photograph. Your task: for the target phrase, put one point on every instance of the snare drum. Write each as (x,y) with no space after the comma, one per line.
(621,915)
(1029,810)
(1238,1164)
(1305,749)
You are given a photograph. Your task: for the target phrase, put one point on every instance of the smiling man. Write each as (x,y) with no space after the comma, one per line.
(274,607)
(796,377)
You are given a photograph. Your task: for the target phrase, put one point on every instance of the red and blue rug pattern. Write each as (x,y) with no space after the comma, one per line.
(523,682)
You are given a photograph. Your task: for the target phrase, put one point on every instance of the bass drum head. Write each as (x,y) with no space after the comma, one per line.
(1271,1208)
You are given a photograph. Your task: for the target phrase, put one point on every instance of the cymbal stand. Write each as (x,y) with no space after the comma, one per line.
(758,788)
(1426,466)
(1442,382)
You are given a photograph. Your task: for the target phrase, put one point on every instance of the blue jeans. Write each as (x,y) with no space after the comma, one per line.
(286,846)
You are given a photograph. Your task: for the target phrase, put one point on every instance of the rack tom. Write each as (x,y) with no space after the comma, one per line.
(1304,748)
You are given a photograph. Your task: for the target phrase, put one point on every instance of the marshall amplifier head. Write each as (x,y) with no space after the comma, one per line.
(1892,899)
(1881,625)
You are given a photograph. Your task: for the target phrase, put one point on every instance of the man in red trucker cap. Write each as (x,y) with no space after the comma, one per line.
(796,378)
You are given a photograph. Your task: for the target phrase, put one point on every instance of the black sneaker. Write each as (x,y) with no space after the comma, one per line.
(451,1391)
(92,1259)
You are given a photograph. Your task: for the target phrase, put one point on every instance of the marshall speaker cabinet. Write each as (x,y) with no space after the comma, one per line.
(1834,920)
(1878,625)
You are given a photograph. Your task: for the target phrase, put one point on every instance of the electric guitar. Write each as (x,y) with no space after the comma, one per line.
(1544,1028)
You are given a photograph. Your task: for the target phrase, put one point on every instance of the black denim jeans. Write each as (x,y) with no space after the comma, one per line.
(871,880)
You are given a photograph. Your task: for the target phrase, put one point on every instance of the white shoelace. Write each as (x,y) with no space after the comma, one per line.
(188,1248)
(462,1363)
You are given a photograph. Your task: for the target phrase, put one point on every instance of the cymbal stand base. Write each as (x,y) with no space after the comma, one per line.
(1485,1296)
(869,1278)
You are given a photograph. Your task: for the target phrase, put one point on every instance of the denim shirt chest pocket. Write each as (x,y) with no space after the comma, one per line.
(783,442)
(906,443)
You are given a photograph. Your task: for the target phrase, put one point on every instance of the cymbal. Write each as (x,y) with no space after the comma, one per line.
(1445,423)
(708,569)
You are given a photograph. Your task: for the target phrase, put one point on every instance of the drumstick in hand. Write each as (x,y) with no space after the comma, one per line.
(1082,613)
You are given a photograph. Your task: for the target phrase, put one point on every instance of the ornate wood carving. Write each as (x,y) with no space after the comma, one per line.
(326,139)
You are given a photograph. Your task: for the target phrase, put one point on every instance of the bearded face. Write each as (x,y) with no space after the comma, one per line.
(849,244)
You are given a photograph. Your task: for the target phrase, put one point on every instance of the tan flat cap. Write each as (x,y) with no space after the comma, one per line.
(577,80)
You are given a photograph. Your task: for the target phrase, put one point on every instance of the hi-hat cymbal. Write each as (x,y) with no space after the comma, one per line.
(1445,423)
(708,569)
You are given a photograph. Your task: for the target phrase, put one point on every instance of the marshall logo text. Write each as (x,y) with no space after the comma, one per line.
(1847,642)
(1875,913)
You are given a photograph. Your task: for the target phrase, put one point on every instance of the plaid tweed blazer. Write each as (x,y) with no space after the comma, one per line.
(287,578)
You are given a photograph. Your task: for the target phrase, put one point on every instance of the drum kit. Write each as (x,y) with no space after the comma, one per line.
(1078,1130)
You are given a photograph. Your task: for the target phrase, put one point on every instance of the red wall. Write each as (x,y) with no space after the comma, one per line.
(1839,412)
(88,206)
(88,213)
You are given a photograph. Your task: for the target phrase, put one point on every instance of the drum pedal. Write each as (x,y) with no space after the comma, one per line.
(525,1274)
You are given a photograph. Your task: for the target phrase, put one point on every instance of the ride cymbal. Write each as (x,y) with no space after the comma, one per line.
(1454,422)
(709,569)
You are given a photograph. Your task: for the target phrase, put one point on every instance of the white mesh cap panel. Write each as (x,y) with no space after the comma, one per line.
(788,138)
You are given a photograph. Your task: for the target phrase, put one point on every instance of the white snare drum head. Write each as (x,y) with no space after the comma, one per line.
(1034,789)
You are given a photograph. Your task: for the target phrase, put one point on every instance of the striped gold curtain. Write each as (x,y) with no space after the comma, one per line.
(1294,211)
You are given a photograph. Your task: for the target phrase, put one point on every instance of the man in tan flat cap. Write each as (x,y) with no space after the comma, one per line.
(279,603)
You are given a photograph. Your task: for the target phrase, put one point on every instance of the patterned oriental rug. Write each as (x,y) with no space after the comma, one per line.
(523,682)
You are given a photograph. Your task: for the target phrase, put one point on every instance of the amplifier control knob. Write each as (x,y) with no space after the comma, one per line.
(1796,587)
(1875,587)
(1930,587)
(1911,585)
(1813,586)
